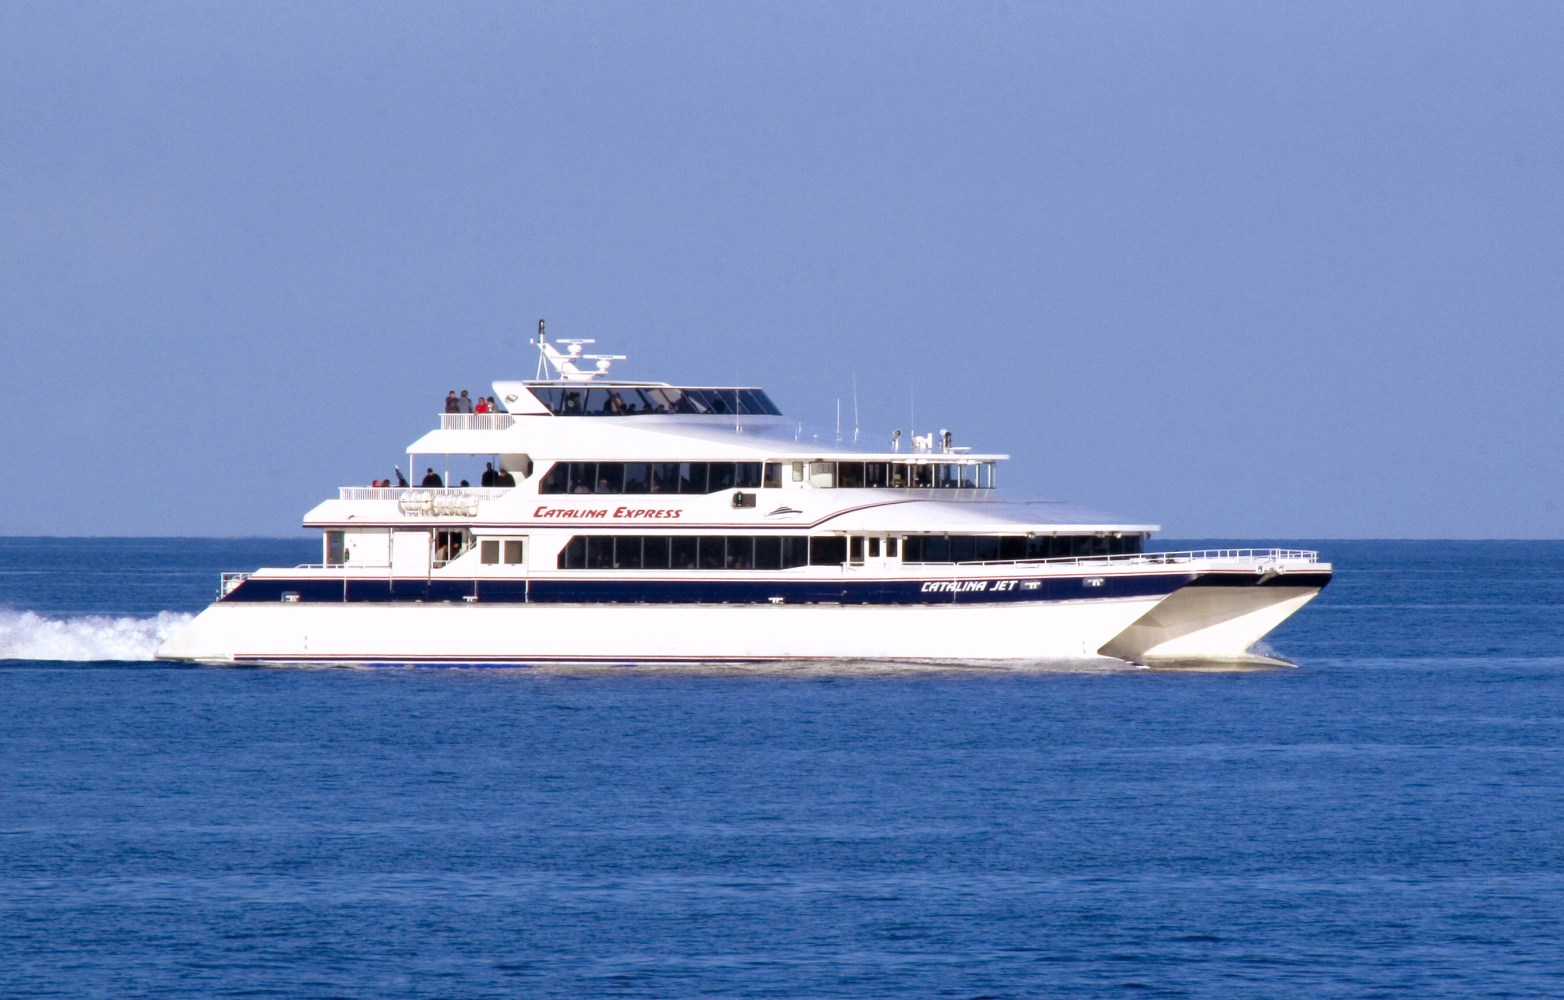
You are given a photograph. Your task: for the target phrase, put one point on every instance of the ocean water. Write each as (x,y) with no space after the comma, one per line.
(1385,819)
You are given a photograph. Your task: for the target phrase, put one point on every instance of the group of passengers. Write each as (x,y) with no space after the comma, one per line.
(465,404)
(433,481)
(493,477)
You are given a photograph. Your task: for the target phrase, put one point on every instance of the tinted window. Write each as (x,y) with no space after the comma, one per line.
(755,401)
(692,477)
(768,552)
(627,552)
(795,551)
(610,477)
(600,552)
(637,477)
(827,551)
(741,552)
(665,477)
(681,553)
(556,479)
(574,554)
(654,552)
(712,552)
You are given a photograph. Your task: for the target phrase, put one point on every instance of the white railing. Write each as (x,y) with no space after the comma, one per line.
(398,492)
(1240,555)
(475,421)
(1244,556)
(229,582)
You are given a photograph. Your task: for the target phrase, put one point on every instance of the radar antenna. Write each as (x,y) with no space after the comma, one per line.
(566,363)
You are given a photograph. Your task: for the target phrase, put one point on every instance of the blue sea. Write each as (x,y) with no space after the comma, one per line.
(1384,819)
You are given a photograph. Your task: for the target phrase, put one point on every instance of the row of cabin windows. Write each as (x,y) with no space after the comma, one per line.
(658,477)
(700,552)
(896,475)
(714,477)
(776,552)
(1013,548)
(621,401)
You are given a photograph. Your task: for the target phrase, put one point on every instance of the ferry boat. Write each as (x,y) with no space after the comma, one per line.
(629,522)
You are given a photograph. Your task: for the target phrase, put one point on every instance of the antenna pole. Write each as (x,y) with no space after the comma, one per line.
(855,407)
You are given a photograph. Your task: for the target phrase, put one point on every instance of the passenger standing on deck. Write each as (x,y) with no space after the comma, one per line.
(464,405)
(490,477)
(432,480)
(505,478)
(450,401)
(482,406)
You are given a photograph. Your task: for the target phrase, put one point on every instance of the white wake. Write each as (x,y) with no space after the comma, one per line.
(26,635)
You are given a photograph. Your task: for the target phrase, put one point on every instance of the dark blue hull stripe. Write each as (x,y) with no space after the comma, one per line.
(569,590)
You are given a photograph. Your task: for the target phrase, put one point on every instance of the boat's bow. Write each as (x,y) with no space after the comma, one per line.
(1236,598)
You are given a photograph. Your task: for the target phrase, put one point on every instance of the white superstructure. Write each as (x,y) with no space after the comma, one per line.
(638,522)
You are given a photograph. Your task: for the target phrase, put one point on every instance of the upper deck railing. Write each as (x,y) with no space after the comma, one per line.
(399,492)
(476,421)
(1243,556)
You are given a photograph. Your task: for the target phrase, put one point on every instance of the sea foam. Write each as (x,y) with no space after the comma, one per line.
(27,635)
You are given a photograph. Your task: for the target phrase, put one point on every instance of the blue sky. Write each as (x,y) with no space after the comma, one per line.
(1246,270)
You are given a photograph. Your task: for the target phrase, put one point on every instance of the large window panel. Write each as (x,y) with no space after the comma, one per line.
(654,552)
(682,552)
(638,477)
(713,552)
(768,552)
(827,550)
(610,477)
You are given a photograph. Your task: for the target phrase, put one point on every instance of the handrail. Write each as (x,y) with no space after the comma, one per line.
(1153,558)
(476,421)
(397,492)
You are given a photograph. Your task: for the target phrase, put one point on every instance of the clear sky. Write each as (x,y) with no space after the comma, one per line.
(1245,270)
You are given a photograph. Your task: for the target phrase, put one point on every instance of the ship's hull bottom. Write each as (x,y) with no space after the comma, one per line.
(1219,623)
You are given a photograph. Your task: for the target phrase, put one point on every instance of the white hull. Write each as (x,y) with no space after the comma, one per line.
(1221,623)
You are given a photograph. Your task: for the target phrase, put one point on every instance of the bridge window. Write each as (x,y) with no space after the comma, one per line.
(617,401)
